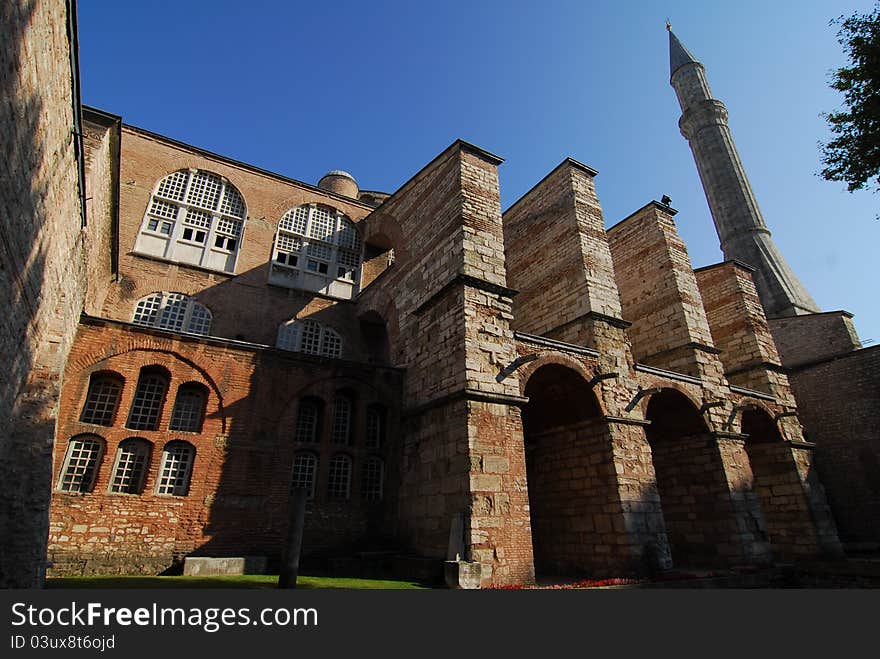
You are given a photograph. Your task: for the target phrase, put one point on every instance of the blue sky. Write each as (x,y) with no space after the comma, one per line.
(380,88)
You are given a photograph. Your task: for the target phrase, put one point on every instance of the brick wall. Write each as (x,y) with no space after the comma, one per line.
(839,404)
(238,501)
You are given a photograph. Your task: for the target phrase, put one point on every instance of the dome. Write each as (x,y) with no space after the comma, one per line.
(340,182)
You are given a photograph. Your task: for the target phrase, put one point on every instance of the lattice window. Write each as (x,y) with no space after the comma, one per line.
(211,213)
(146,408)
(173,186)
(81,464)
(331,344)
(311,337)
(339,478)
(375,427)
(173,311)
(101,400)
(189,409)
(288,335)
(341,433)
(305,466)
(132,458)
(174,473)
(307,421)
(317,240)
(373,479)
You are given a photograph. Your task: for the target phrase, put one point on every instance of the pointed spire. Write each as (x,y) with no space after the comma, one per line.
(678,54)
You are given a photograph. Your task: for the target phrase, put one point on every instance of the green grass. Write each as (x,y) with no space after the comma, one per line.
(259,581)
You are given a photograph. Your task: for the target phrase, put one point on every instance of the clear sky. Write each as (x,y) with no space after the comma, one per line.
(380,88)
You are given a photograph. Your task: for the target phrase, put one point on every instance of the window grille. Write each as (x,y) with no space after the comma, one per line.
(81,464)
(305,466)
(307,422)
(310,337)
(339,478)
(189,407)
(341,421)
(131,466)
(194,217)
(375,427)
(101,400)
(319,241)
(146,408)
(174,473)
(173,311)
(373,477)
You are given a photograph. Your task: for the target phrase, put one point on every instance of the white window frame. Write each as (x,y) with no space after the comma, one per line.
(91,470)
(142,454)
(310,240)
(165,299)
(181,484)
(292,332)
(173,228)
(314,472)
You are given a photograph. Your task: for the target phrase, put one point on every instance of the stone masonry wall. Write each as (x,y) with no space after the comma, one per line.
(813,337)
(557,253)
(42,272)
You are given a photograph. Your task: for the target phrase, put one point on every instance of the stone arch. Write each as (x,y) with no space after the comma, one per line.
(571,489)
(379,305)
(691,479)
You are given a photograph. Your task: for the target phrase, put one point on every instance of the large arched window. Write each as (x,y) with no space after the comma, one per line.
(102,399)
(130,468)
(317,248)
(310,337)
(194,217)
(149,397)
(81,464)
(176,468)
(173,311)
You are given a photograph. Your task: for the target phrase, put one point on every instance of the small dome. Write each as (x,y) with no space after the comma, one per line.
(340,182)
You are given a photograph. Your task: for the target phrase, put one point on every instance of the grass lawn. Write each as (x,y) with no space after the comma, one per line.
(264,581)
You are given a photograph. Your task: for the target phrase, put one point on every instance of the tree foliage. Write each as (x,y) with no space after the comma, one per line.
(853,156)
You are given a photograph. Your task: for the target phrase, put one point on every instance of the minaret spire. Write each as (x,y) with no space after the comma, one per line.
(738,221)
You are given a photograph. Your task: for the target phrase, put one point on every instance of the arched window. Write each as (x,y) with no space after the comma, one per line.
(339,478)
(341,433)
(194,217)
(146,408)
(374,476)
(189,408)
(305,466)
(102,399)
(130,467)
(176,468)
(81,463)
(317,248)
(310,337)
(375,427)
(173,311)
(307,420)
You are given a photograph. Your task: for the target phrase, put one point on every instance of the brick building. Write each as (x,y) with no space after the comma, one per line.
(520,394)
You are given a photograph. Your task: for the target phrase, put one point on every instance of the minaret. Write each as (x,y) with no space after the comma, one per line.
(741,229)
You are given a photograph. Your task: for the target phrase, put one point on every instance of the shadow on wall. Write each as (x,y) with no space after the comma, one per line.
(28,393)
